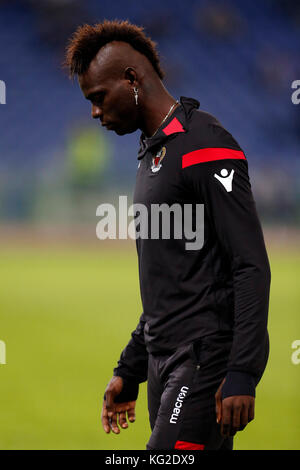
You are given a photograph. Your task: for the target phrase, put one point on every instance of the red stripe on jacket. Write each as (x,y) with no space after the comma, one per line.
(173,126)
(210,154)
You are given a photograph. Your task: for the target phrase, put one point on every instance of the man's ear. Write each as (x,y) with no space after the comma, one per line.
(130,75)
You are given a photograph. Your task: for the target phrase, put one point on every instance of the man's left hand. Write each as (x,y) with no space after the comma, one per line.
(233,413)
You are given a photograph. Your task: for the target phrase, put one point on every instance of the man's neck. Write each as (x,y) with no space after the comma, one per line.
(155,110)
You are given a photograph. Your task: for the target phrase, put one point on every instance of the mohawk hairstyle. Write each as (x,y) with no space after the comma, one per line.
(87,40)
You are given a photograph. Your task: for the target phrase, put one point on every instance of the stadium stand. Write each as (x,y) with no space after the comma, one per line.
(237,58)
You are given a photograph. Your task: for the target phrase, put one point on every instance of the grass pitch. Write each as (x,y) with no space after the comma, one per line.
(66,314)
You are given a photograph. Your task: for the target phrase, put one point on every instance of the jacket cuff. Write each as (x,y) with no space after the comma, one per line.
(129,392)
(238,383)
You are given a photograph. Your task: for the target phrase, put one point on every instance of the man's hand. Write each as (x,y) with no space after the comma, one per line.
(114,414)
(233,413)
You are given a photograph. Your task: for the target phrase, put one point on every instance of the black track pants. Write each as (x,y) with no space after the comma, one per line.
(181,396)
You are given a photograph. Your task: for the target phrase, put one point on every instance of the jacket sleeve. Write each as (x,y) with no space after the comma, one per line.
(219,178)
(133,364)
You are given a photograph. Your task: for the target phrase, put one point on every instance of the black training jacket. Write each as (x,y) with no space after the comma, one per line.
(221,287)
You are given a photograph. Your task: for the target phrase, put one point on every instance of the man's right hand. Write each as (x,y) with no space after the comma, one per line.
(114,414)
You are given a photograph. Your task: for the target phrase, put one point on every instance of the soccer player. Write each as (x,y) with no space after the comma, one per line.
(201,342)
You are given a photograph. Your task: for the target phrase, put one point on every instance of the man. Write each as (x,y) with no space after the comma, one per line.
(202,341)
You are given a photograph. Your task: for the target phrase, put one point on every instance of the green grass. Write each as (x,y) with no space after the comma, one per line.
(66,314)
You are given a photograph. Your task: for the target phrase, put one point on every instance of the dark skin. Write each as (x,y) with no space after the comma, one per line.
(233,413)
(116,414)
(109,84)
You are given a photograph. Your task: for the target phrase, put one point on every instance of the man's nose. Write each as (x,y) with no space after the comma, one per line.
(96,112)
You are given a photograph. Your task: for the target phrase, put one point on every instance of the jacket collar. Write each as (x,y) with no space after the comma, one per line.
(176,123)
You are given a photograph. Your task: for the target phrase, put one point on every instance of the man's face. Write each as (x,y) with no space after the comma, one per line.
(111,96)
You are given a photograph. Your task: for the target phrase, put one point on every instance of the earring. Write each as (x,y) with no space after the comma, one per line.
(136,94)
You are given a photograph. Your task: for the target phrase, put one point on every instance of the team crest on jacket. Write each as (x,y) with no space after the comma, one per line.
(156,161)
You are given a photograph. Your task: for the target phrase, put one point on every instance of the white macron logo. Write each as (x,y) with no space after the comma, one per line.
(225,179)
(178,404)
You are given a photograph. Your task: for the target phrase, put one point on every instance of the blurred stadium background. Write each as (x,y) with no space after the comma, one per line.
(68,301)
